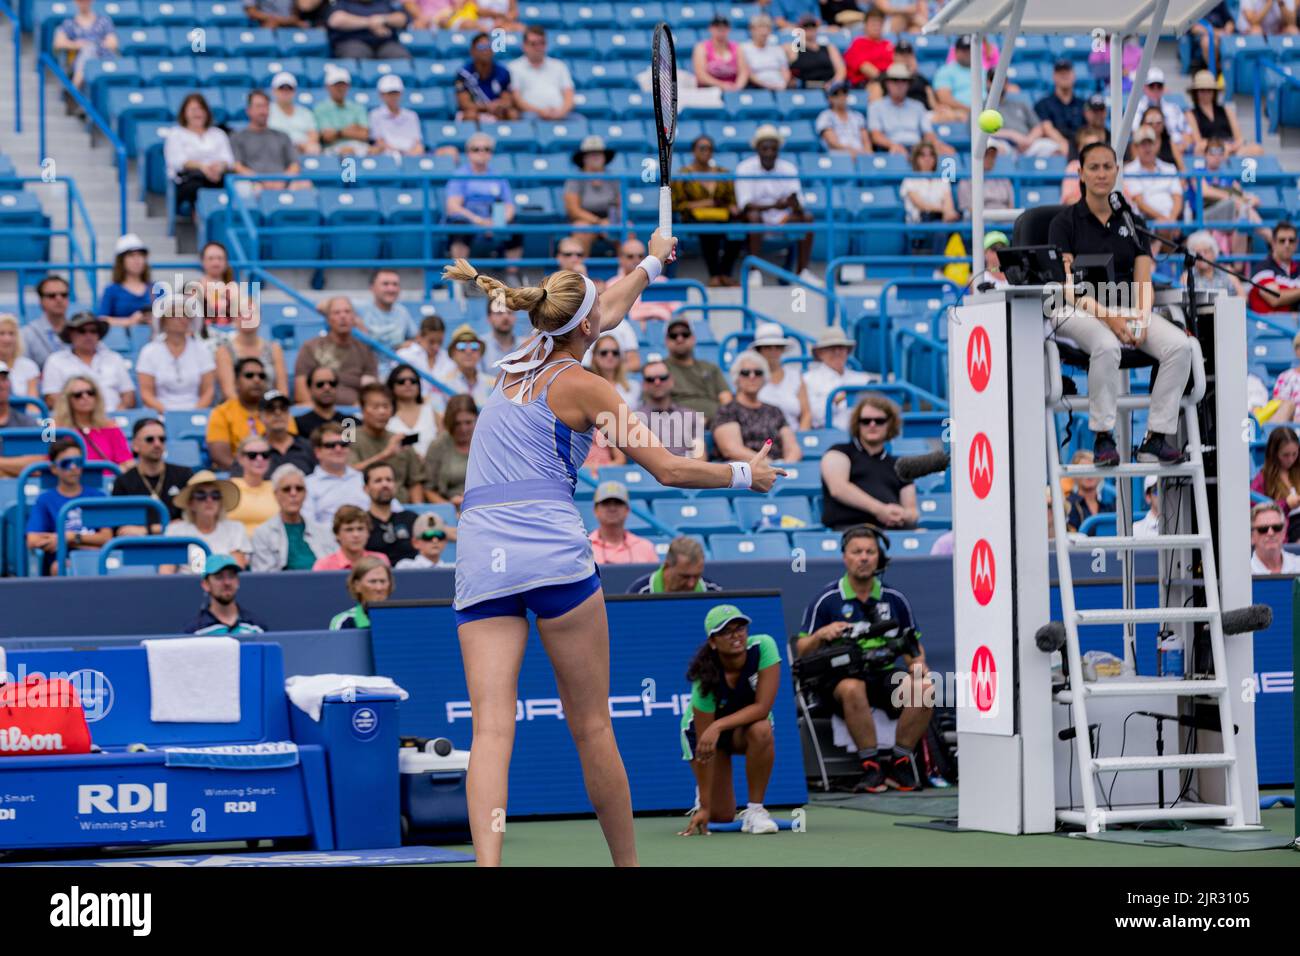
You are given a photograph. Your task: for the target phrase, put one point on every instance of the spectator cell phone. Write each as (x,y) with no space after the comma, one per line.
(410,439)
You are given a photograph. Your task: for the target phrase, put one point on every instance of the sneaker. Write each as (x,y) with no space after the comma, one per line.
(757,820)
(1104,452)
(902,774)
(755,279)
(1156,449)
(873,778)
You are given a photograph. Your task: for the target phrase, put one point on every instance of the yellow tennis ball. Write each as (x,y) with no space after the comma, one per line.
(990,121)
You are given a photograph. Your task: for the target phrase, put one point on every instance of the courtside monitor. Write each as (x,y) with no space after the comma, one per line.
(1032,265)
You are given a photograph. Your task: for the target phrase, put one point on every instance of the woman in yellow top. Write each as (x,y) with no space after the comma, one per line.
(708,201)
(256,496)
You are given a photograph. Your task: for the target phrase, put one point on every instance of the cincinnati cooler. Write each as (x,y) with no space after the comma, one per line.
(1000,561)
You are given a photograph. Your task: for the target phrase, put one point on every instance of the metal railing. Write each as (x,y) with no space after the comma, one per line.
(75,213)
(47,64)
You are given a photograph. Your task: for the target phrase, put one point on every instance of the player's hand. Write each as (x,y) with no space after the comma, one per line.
(665,250)
(699,824)
(763,475)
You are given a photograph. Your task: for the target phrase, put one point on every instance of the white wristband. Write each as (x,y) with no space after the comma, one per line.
(652,266)
(741,476)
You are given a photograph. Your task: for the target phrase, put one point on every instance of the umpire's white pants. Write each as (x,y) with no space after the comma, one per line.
(1165,342)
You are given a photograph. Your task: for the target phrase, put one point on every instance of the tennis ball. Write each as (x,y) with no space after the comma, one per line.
(990,121)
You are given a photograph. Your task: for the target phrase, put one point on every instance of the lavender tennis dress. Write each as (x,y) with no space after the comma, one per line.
(519,528)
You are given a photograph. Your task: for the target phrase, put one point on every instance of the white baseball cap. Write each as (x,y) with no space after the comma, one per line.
(391,83)
(283,78)
(1155,75)
(336,74)
(129,243)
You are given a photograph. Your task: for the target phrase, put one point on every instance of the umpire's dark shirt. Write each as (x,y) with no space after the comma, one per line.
(1077,232)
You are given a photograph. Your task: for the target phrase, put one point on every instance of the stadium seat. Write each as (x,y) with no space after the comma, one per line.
(297,42)
(912,543)
(547,14)
(748,547)
(561,136)
(641,485)
(128,108)
(622,43)
(513,136)
(786,513)
(144,41)
(815,544)
(357,209)
(297,212)
(103,75)
(635,523)
(590,73)
(644,15)
(700,515)
(370,72)
(589,103)
(24,228)
(447,133)
(802,478)
(253,41)
(325,168)
(233,71)
(218,13)
(816,442)
(571,45)
(936,510)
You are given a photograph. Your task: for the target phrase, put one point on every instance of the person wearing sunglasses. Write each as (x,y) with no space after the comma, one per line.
(206,502)
(829,372)
(152,475)
(1279,274)
(12,466)
(483,86)
(256,496)
(466,350)
(1175,119)
(413,413)
(87,355)
(430,540)
(1267,535)
(744,426)
(353,363)
(289,540)
(322,386)
(475,197)
(678,428)
(697,384)
(334,483)
(80,409)
(709,201)
(42,335)
(234,420)
(859,483)
(286,447)
(67,462)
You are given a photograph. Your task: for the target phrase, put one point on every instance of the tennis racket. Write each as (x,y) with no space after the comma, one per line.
(663,79)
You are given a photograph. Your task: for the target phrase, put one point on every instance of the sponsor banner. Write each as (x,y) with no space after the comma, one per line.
(979,387)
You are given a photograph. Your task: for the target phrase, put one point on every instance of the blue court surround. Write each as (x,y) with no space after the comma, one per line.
(398,856)
(652,640)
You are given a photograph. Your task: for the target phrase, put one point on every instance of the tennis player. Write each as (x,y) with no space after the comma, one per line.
(522,547)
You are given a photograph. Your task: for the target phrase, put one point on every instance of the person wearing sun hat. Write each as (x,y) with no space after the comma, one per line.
(466,351)
(206,501)
(1209,119)
(734,679)
(831,350)
(783,385)
(87,356)
(591,202)
(768,192)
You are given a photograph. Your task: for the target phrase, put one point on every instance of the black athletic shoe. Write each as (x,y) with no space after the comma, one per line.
(902,774)
(1155,448)
(873,778)
(1104,452)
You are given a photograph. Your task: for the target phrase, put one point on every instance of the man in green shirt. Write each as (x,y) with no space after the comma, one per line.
(698,385)
(374,443)
(681,573)
(344,126)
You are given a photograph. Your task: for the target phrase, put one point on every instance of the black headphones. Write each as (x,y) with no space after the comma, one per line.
(882,542)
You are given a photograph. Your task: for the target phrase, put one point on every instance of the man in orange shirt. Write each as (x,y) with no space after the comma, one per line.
(870,55)
(611,543)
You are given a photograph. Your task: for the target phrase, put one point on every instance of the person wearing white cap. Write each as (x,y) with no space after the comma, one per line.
(1148,526)
(767,192)
(611,542)
(259,149)
(128,299)
(393,128)
(1151,184)
(829,372)
(291,119)
(783,384)
(543,85)
(367,29)
(1175,118)
(343,125)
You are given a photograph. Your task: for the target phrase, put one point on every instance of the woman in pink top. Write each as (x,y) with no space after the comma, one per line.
(80,408)
(718,61)
(351,529)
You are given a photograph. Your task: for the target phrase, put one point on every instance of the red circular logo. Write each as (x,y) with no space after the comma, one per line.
(980,463)
(979,355)
(983,679)
(983,572)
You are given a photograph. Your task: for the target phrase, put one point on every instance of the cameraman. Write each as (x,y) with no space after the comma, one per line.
(875,622)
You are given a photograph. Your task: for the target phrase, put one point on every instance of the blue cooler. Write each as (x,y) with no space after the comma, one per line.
(360,737)
(434,807)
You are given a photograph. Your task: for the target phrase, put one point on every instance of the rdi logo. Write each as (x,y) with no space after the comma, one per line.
(8,813)
(983,572)
(984,679)
(129,798)
(978,358)
(980,462)
(241,806)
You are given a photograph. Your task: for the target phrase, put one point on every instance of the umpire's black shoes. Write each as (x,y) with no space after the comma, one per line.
(1104,452)
(1156,448)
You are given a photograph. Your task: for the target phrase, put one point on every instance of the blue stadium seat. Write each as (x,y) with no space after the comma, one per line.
(816,442)
(956,135)
(1276,355)
(129,108)
(24,228)
(233,71)
(368,75)
(749,104)
(741,547)
(622,43)
(906,544)
(377,169)
(633,104)
(561,136)
(254,41)
(817,544)
(799,104)
(149,142)
(299,42)
(144,41)
(641,485)
(125,13)
(298,212)
(537,205)
(753,513)
(799,135)
(541,163)
(936,510)
(1032,47)
(589,103)
(643,204)
(802,478)
(587,510)
(571,45)
(439,73)
(325,167)
(643,15)
(592,16)
(351,208)
(219,13)
(823,164)
(195,39)
(419,43)
(883,165)
(447,133)
(700,515)
(212,213)
(512,136)
(589,73)
(1037,194)
(418,168)
(103,75)
(170,71)
(547,14)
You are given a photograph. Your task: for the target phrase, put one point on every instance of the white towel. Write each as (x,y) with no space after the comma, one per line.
(3,669)
(308,693)
(885,729)
(193,680)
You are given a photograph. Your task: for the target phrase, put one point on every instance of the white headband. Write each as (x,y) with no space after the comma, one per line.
(545,341)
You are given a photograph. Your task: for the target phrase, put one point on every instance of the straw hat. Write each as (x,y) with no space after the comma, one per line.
(830,337)
(1203,80)
(592,144)
(229,493)
(464,333)
(769,333)
(767,131)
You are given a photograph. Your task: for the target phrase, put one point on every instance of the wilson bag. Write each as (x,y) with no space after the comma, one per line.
(39,716)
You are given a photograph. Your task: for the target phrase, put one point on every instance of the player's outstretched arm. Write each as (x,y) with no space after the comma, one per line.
(618,296)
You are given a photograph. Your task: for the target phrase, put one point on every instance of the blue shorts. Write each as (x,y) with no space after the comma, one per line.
(552,601)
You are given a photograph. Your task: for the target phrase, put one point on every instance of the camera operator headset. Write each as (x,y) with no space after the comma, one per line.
(847,652)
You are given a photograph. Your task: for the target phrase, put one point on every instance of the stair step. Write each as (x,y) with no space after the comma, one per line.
(1164,542)
(1131,469)
(1184,811)
(1145,615)
(1167,762)
(1149,686)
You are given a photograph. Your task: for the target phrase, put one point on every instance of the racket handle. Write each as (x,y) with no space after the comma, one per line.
(665,211)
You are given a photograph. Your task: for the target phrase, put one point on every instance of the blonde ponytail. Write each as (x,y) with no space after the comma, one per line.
(549,306)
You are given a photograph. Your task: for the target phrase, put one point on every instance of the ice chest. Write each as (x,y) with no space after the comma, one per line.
(434,807)
(360,731)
